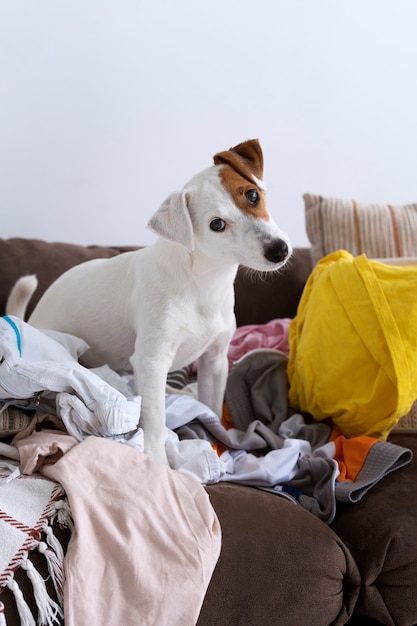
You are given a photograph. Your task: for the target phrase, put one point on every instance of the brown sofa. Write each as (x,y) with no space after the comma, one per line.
(279,564)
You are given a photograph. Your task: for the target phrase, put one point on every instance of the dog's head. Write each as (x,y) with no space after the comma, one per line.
(221,212)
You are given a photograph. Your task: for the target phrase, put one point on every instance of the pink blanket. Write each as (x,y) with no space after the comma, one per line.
(145,541)
(273,334)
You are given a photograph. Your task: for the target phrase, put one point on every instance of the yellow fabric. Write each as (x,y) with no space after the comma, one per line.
(353,344)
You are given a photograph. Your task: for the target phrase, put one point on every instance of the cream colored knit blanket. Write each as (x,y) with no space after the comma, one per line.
(28,505)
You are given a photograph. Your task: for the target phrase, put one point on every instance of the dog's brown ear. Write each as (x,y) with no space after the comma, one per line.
(172,220)
(246,158)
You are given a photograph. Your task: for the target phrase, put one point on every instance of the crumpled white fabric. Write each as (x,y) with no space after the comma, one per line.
(100,403)
(277,466)
(194,457)
(198,458)
(33,361)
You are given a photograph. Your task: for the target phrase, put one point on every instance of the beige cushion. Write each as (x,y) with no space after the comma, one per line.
(13,420)
(378,230)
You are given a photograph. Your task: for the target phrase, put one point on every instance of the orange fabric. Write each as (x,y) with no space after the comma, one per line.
(336,432)
(350,454)
(227,420)
(219,448)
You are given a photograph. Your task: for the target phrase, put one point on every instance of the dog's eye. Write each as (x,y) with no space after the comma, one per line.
(252,197)
(218,225)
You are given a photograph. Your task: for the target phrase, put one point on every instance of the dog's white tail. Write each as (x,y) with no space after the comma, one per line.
(20,295)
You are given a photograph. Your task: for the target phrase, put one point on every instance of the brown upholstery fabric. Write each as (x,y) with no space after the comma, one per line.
(381,533)
(47,260)
(261,297)
(279,564)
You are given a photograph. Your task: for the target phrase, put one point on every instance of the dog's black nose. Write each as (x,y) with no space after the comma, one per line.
(276,251)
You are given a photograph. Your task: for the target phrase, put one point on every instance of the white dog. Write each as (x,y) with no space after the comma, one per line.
(166,305)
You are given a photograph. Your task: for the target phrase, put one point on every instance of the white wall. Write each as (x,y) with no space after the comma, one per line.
(108,105)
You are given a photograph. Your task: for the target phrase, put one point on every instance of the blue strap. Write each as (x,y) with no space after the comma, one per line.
(16,330)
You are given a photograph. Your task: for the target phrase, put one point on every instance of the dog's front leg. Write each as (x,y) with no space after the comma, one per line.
(212,377)
(150,374)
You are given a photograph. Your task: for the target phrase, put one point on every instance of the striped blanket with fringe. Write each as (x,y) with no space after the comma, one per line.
(28,507)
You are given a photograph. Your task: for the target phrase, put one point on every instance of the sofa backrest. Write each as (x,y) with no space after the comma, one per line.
(259,297)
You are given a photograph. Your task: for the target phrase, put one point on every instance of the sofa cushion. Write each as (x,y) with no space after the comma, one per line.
(378,230)
(381,533)
(279,564)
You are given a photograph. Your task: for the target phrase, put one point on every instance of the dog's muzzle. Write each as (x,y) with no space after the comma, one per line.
(276,251)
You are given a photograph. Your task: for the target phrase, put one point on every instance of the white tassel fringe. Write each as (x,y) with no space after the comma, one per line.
(26,617)
(63,513)
(49,610)
(55,569)
(2,615)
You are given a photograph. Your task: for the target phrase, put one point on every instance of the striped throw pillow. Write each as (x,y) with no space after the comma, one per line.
(378,230)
